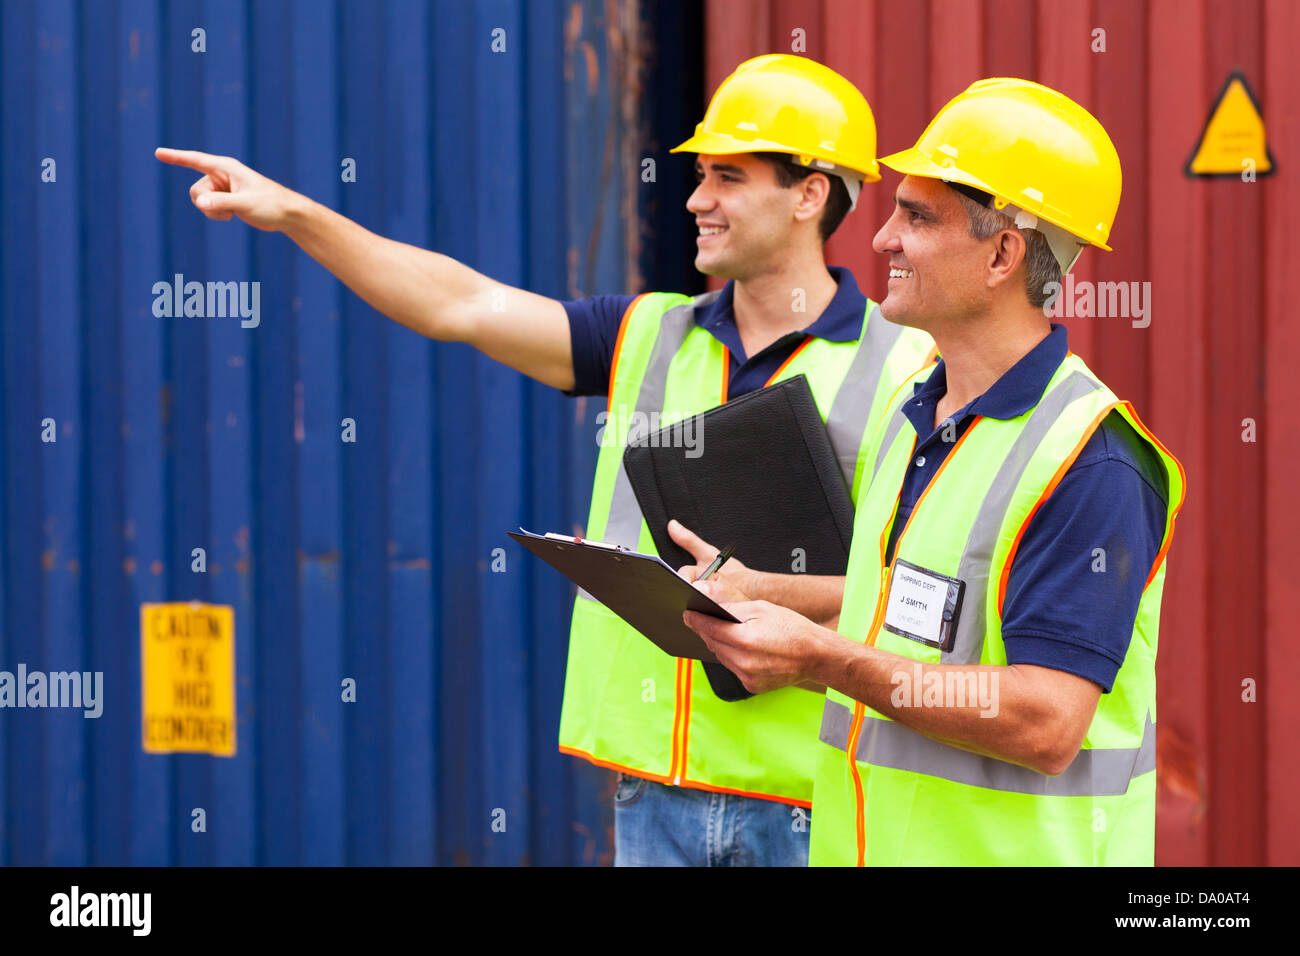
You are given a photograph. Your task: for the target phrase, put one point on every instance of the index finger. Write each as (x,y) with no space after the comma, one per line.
(191,158)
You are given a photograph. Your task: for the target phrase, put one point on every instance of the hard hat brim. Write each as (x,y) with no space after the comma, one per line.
(913,162)
(720,144)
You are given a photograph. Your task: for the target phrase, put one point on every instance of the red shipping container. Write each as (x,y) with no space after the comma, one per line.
(1204,374)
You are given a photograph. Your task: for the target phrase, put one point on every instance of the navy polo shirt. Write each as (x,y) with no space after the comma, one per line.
(594,324)
(1059,612)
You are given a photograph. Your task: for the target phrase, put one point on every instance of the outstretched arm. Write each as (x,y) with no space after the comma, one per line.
(429,293)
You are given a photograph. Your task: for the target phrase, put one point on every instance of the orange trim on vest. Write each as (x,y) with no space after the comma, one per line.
(686,717)
(610,765)
(618,348)
(682,703)
(1182,493)
(674,765)
(860,710)
(789,358)
(790,801)
(1047,493)
(690,784)
(894,396)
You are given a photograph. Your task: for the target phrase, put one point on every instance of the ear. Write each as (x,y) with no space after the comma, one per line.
(813,191)
(1005,256)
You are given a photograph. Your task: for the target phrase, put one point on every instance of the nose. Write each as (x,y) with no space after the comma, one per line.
(886,240)
(700,200)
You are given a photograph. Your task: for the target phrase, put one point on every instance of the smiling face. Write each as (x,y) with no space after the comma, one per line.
(746,219)
(938,272)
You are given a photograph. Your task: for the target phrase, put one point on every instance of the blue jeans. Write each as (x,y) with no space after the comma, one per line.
(659,825)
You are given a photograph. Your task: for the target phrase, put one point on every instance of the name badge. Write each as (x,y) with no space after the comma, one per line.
(923,606)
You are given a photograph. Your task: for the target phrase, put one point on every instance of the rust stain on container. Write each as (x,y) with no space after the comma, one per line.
(1177,769)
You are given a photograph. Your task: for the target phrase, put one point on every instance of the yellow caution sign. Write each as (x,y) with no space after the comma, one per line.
(1233,142)
(187,655)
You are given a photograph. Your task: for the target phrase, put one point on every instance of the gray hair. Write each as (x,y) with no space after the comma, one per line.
(1041,267)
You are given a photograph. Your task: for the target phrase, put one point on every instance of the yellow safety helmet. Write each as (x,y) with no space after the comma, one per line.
(790,104)
(1031,148)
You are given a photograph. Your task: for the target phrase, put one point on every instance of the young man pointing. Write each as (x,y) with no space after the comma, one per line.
(782,151)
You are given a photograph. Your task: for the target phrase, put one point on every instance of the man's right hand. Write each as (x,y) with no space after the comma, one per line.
(229,188)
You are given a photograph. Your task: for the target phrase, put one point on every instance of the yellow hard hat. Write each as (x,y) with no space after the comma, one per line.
(790,104)
(1029,147)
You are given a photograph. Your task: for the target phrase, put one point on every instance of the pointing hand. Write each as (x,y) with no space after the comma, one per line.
(229,188)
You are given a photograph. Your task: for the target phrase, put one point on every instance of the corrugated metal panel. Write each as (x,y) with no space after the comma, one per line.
(1218,254)
(369,560)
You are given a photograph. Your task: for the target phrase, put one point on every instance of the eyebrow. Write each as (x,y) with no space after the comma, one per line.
(913,205)
(720,168)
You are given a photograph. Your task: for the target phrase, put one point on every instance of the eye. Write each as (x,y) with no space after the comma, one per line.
(914,216)
(729,179)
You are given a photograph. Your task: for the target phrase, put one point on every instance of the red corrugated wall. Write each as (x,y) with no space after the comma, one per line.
(1218,254)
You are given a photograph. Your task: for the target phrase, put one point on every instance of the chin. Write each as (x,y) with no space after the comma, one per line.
(892,310)
(710,267)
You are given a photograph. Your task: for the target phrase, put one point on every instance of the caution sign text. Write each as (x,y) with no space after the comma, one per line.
(187,653)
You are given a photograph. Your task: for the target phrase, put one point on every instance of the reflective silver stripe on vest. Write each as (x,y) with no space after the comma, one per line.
(851,406)
(977,558)
(624,523)
(896,423)
(886,743)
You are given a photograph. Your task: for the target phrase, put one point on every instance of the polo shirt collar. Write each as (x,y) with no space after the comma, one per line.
(1019,389)
(841,321)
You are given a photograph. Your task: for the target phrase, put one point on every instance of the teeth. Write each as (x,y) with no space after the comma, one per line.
(712,230)
(900,273)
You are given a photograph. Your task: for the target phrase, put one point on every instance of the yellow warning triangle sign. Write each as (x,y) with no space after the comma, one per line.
(1233,141)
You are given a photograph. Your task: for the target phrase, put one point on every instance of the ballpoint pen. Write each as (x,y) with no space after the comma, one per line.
(718,562)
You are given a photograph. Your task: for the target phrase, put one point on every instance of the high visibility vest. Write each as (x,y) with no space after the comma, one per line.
(627,704)
(887,795)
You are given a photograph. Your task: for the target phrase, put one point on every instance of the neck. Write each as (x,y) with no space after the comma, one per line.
(765,305)
(977,352)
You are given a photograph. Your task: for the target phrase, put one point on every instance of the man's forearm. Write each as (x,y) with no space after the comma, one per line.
(990,710)
(408,284)
(816,596)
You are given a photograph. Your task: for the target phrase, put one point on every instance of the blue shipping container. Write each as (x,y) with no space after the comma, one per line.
(505,133)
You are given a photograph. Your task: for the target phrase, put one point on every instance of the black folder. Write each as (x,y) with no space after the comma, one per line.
(759,472)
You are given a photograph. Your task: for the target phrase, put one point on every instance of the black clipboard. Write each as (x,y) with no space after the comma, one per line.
(640,588)
(761,471)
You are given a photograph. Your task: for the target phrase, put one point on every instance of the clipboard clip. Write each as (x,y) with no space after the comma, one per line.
(571,539)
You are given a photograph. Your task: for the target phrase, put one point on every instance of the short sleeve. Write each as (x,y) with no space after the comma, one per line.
(1078,575)
(593,331)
